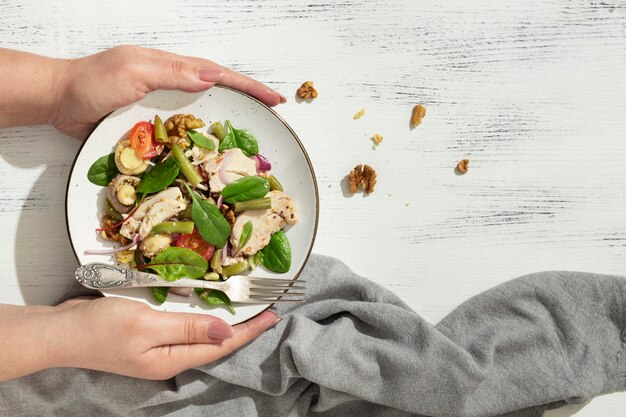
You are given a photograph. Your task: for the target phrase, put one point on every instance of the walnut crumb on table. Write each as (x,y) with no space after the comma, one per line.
(362,176)
(377,138)
(419,112)
(359,114)
(462,166)
(307,91)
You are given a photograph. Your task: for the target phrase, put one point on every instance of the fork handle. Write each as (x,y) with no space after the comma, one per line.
(102,277)
(106,277)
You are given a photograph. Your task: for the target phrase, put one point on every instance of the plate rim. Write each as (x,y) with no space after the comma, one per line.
(274,113)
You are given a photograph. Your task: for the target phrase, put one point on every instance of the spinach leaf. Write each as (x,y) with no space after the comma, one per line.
(175,263)
(277,253)
(241,139)
(159,177)
(215,297)
(246,188)
(159,294)
(211,224)
(103,170)
(201,140)
(246,234)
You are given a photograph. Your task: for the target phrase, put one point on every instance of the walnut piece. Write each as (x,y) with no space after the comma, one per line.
(359,114)
(462,166)
(418,114)
(377,138)
(228,214)
(362,176)
(306,90)
(178,124)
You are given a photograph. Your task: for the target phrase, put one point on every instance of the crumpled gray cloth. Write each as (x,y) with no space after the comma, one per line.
(355,349)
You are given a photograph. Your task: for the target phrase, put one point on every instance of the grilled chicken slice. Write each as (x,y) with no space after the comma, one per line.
(239,166)
(264,223)
(152,211)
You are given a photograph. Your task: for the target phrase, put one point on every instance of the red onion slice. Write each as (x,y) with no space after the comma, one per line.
(182,291)
(220,201)
(262,163)
(223,177)
(135,240)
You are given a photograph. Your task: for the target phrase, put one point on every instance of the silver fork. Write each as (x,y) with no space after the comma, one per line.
(240,289)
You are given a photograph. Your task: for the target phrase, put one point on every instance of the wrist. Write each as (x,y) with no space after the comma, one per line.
(35,90)
(60,79)
(24,340)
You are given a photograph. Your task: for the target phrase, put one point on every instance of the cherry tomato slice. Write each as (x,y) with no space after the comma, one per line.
(195,242)
(142,140)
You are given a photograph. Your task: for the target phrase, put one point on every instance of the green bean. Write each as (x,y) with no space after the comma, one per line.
(160,133)
(235,269)
(173,227)
(275,185)
(253,261)
(257,204)
(218,130)
(216,259)
(108,209)
(159,294)
(212,276)
(188,170)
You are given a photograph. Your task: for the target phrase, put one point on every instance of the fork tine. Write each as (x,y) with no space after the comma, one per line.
(271,281)
(272,299)
(276,294)
(276,286)
(272,288)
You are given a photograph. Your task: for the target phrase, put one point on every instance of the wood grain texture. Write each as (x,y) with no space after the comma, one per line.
(532,93)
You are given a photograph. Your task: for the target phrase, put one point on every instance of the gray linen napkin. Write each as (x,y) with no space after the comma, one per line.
(355,349)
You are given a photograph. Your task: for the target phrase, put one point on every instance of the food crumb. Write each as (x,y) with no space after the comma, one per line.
(307,90)
(359,114)
(462,167)
(419,112)
(377,138)
(406,204)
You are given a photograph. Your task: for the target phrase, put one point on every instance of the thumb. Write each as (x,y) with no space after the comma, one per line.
(171,74)
(187,328)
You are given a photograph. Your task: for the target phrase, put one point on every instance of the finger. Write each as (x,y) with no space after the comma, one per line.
(190,356)
(186,328)
(174,74)
(230,78)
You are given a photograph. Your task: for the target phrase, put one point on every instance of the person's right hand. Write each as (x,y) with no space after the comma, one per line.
(119,336)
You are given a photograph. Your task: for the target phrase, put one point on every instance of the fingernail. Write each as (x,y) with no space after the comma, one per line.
(210,75)
(278,320)
(283,99)
(220,330)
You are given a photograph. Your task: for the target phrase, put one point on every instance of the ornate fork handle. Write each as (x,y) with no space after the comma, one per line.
(103,276)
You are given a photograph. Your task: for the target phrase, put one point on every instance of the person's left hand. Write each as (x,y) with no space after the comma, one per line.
(93,86)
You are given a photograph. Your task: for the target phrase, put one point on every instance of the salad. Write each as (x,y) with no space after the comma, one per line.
(188,203)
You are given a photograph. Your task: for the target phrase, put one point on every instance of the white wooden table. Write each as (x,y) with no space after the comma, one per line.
(533,93)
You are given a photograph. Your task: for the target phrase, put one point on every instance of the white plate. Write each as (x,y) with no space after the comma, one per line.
(277,141)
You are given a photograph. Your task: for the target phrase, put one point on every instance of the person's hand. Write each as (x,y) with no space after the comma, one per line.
(119,336)
(93,86)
